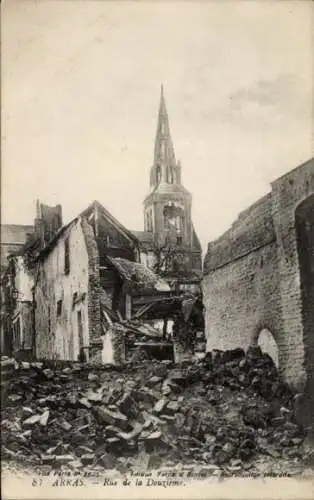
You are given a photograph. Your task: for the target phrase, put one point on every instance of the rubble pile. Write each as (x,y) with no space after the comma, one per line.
(228,410)
(141,339)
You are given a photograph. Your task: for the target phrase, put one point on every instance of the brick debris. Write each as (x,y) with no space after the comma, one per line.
(229,411)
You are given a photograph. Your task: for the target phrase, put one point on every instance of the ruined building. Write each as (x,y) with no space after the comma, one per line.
(259,279)
(169,242)
(77,291)
(60,280)
(55,284)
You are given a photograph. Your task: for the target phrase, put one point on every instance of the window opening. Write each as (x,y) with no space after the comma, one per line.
(59,307)
(66,256)
(158,174)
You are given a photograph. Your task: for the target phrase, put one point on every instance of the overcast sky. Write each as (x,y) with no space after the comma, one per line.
(80,95)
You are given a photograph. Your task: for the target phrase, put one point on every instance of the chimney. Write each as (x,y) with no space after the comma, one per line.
(48,222)
(38,224)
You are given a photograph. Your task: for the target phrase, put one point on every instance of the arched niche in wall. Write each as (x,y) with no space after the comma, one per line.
(268,344)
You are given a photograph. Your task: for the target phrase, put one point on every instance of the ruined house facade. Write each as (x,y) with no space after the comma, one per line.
(63,295)
(259,278)
(169,243)
(17,312)
(58,279)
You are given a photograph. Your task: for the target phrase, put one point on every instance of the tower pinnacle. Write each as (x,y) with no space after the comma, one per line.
(164,151)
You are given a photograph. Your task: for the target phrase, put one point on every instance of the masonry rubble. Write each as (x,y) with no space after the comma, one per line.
(228,411)
(141,338)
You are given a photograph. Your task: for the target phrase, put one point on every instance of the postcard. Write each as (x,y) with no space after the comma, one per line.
(157,245)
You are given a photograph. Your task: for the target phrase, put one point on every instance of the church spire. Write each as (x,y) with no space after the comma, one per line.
(164,151)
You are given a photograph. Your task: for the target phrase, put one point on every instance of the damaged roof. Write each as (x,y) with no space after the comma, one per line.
(103,211)
(145,237)
(13,237)
(95,205)
(15,234)
(139,275)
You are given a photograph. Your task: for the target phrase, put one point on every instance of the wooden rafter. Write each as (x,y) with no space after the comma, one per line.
(142,310)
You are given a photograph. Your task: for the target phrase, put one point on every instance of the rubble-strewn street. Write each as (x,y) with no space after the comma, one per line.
(228,411)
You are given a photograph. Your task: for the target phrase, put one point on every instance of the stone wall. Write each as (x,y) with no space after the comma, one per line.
(94,288)
(288,192)
(59,297)
(252,278)
(252,230)
(241,298)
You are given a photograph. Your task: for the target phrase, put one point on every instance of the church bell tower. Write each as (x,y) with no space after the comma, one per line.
(167,208)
